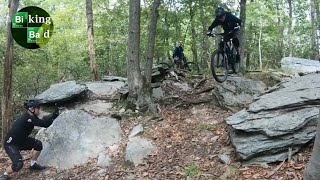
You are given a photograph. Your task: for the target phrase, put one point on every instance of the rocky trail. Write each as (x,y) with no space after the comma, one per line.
(189,141)
(197,134)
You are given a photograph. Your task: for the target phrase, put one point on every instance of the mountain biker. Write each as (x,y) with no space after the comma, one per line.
(178,53)
(229,23)
(18,138)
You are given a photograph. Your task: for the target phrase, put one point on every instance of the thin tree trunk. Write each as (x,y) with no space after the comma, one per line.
(205,43)
(133,68)
(243,34)
(312,171)
(7,75)
(260,53)
(166,35)
(92,55)
(317,9)
(193,34)
(313,30)
(290,28)
(151,42)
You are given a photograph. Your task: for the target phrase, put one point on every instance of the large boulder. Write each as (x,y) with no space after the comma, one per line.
(238,91)
(105,90)
(299,65)
(74,137)
(62,92)
(284,118)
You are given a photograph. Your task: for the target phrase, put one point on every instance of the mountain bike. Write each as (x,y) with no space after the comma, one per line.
(223,58)
(184,65)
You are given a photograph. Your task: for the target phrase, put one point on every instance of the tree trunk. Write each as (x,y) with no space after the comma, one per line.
(317,9)
(205,43)
(7,75)
(193,34)
(133,68)
(312,171)
(313,31)
(92,55)
(243,35)
(260,53)
(151,43)
(290,28)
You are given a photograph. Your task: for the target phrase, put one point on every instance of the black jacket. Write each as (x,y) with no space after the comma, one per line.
(178,52)
(229,23)
(24,125)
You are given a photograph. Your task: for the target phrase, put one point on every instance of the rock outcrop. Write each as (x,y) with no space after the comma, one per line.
(284,118)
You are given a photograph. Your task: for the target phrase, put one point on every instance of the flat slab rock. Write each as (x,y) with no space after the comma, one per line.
(284,118)
(96,107)
(238,91)
(106,89)
(74,137)
(61,92)
(297,65)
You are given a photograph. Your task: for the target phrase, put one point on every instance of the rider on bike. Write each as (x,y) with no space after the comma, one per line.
(229,23)
(178,55)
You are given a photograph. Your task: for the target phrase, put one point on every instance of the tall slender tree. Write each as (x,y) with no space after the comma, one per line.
(7,74)
(91,49)
(243,4)
(151,43)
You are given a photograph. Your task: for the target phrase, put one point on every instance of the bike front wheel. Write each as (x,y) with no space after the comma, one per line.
(219,66)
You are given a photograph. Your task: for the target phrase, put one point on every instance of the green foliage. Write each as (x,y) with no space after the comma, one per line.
(191,170)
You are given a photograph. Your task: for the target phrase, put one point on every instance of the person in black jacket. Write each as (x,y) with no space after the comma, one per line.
(178,53)
(18,138)
(229,23)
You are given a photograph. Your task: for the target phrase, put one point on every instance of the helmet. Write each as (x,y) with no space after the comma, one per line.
(34,103)
(220,12)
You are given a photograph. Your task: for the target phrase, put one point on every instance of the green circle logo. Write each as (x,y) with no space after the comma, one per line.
(32,27)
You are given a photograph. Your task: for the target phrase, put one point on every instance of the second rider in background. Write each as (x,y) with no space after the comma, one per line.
(178,55)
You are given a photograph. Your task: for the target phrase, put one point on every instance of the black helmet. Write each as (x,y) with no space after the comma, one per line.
(220,12)
(34,103)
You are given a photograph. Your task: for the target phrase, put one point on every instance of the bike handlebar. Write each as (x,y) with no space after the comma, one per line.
(224,34)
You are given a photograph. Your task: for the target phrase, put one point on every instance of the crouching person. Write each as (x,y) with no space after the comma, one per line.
(18,138)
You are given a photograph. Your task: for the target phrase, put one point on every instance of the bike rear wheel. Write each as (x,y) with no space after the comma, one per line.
(219,66)
(192,68)
(165,65)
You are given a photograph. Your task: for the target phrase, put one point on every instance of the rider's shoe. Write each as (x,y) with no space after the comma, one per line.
(237,58)
(37,167)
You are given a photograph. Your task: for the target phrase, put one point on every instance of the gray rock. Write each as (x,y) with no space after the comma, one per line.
(275,123)
(137,149)
(104,160)
(157,93)
(224,158)
(61,92)
(114,78)
(183,86)
(283,118)
(104,89)
(136,130)
(238,91)
(96,107)
(249,145)
(74,137)
(297,65)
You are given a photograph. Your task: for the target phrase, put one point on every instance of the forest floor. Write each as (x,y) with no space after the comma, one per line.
(189,140)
